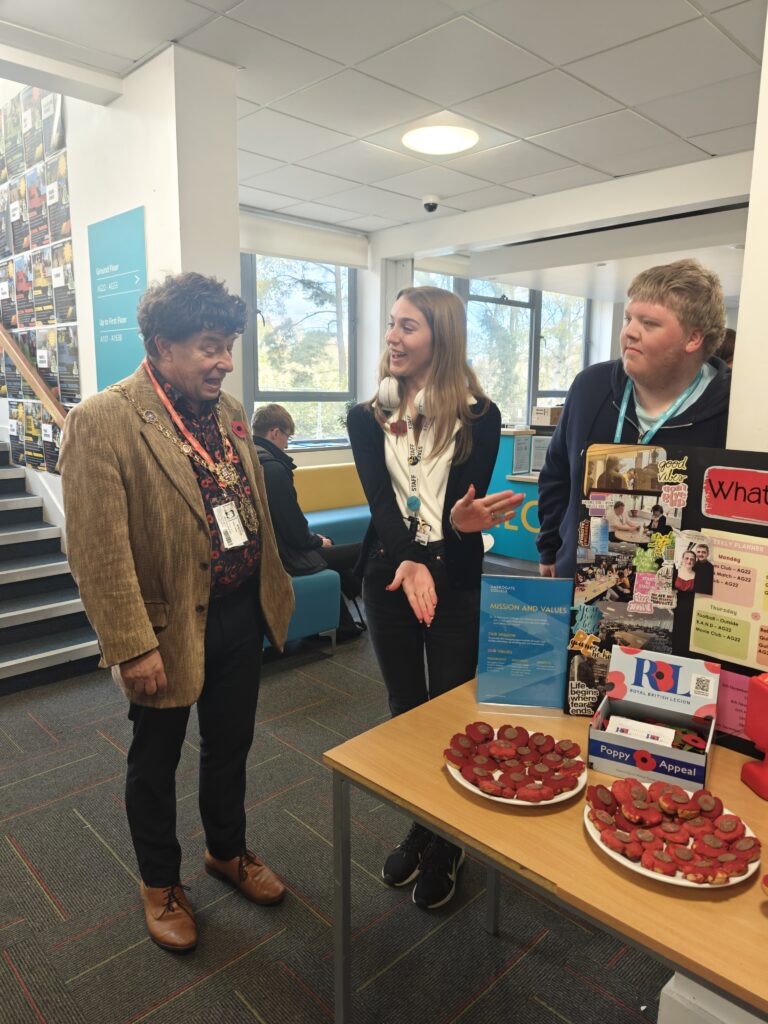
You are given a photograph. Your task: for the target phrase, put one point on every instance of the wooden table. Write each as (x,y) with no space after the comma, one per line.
(717,937)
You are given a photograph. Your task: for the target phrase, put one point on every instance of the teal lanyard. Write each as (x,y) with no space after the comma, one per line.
(649,434)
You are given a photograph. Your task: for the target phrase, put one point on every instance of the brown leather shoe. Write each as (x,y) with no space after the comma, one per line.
(170,917)
(248,875)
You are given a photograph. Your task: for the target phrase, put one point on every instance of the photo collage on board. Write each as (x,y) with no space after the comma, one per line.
(37,282)
(672,557)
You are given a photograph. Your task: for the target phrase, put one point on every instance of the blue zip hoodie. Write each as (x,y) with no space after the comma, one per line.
(590,415)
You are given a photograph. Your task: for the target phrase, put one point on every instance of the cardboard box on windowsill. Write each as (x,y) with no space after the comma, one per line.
(677,692)
(546,415)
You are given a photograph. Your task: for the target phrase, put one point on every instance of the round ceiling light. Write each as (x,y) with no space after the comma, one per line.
(440,139)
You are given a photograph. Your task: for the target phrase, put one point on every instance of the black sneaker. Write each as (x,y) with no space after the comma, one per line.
(404,863)
(440,867)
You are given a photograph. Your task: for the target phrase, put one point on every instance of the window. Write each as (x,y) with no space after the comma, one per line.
(302,343)
(422,277)
(561,345)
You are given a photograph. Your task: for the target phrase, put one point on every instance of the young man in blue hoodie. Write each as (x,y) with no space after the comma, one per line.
(668,387)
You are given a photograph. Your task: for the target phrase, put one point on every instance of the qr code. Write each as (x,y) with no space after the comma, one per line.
(702,686)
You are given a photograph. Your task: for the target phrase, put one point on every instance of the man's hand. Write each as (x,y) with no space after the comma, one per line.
(547,570)
(144,675)
(327,542)
(419,587)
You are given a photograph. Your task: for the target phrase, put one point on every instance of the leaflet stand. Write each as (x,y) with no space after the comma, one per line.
(755,773)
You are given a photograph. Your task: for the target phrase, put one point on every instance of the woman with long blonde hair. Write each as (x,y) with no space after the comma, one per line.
(425,447)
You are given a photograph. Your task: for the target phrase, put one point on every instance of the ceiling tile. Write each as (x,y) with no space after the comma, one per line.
(260,200)
(371,223)
(245,107)
(285,138)
(134,29)
(560,32)
(539,104)
(454,63)
(466,6)
(392,138)
(668,63)
(360,161)
(354,103)
(316,211)
(249,164)
(668,154)
(493,195)
(611,135)
(439,180)
(272,68)
(47,46)
(732,140)
(717,5)
(709,109)
(345,30)
(746,23)
(558,181)
(219,6)
(376,201)
(299,182)
(515,160)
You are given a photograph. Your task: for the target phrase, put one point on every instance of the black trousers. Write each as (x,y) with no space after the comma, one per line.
(226,712)
(403,646)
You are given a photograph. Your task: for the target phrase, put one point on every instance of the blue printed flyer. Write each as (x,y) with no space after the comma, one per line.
(524,631)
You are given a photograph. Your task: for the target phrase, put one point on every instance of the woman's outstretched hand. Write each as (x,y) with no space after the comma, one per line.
(419,587)
(471,514)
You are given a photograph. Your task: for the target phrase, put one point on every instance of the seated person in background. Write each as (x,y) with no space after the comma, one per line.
(612,479)
(301,551)
(618,524)
(668,387)
(658,521)
(622,588)
(685,576)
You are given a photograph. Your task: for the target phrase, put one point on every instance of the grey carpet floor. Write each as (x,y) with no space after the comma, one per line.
(73,946)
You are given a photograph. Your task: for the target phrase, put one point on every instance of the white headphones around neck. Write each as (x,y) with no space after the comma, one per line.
(389,397)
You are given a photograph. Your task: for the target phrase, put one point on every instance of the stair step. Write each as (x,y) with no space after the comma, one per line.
(20,500)
(17,533)
(33,567)
(18,611)
(54,649)
(10,477)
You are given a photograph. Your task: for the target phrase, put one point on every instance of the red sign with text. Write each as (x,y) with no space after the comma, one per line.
(737,494)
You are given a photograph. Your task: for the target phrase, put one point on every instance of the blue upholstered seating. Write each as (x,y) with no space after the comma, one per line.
(317,606)
(343,525)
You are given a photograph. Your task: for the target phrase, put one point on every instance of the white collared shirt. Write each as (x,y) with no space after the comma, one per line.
(433,476)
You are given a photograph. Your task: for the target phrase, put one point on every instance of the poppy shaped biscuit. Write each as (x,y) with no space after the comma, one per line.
(640,812)
(729,827)
(454,757)
(699,826)
(709,806)
(747,847)
(660,862)
(647,839)
(601,819)
(621,842)
(541,743)
(473,773)
(628,789)
(514,780)
(673,832)
(572,766)
(553,759)
(501,749)
(514,733)
(535,793)
(600,797)
(462,742)
(527,754)
(700,870)
(562,783)
(479,732)
(675,801)
(567,748)
(709,845)
(490,787)
(657,788)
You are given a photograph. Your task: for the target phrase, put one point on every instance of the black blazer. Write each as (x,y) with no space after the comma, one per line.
(463,553)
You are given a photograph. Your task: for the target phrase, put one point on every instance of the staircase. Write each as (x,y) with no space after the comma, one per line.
(44,633)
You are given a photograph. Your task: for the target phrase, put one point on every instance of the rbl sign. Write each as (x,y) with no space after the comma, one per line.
(658,675)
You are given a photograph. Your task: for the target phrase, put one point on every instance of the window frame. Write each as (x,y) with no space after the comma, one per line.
(253,394)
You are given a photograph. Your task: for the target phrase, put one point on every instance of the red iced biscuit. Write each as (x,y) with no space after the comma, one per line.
(747,847)
(681,855)
(455,757)
(657,788)
(462,742)
(731,864)
(512,764)
(675,800)
(527,754)
(561,783)
(481,761)
(553,759)
(673,832)
(491,787)
(514,780)
(621,842)
(535,793)
(515,733)
(473,773)
(501,749)
(729,827)
(567,748)
(601,797)
(628,789)
(601,819)
(572,766)
(640,812)
(484,748)
(709,845)
(709,806)
(647,839)
(659,861)
(539,772)
(700,870)
(479,732)
(621,821)
(541,742)
(699,826)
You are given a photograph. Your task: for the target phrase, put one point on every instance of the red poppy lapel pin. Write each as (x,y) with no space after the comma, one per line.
(397,427)
(238,429)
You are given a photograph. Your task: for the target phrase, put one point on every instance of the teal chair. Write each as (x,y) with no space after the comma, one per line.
(317,607)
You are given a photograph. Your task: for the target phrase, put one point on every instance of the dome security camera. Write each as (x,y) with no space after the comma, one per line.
(431,203)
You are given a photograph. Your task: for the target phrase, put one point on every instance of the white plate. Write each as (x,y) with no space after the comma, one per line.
(456,774)
(638,868)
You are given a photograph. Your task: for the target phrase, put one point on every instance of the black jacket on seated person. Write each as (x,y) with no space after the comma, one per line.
(298,547)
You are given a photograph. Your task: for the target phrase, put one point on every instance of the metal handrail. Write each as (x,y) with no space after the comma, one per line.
(29,372)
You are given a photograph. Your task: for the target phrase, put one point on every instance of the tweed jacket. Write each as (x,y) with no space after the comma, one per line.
(138,540)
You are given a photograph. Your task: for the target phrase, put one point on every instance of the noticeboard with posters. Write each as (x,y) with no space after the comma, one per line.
(673,558)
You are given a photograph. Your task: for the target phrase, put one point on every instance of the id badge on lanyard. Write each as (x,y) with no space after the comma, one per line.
(230,525)
(419,530)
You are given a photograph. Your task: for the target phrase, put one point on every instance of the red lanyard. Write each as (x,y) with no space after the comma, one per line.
(179,424)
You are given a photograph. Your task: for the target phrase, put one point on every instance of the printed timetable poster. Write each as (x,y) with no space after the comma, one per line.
(673,558)
(118,279)
(524,623)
